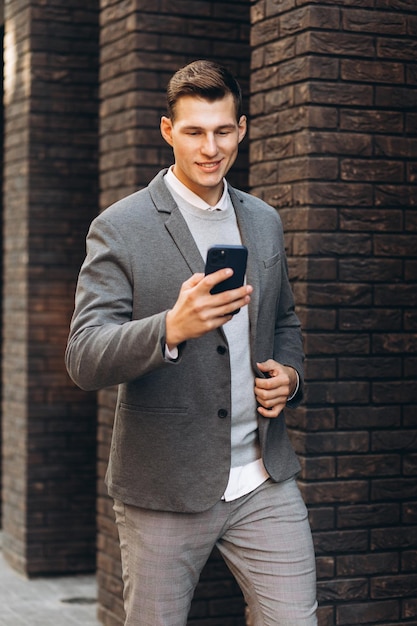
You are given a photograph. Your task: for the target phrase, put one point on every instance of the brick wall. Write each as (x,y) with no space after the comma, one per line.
(50,195)
(333,130)
(333,147)
(142,44)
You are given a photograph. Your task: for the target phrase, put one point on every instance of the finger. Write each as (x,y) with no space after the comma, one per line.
(270,401)
(222,308)
(218,277)
(227,301)
(271,383)
(274,389)
(194,280)
(271,413)
(269,367)
(270,396)
(263,384)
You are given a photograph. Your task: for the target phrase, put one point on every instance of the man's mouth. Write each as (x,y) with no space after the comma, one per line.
(209,166)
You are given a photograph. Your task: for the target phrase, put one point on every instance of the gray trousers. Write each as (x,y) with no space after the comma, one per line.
(264,537)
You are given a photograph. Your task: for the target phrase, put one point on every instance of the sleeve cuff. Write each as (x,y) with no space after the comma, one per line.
(172,355)
(297,386)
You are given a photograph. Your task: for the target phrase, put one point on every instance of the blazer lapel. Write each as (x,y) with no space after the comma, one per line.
(249,239)
(180,233)
(176,224)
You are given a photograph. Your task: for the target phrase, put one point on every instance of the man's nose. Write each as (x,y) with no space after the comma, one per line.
(209,146)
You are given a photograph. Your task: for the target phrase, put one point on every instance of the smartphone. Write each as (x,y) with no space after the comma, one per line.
(219,257)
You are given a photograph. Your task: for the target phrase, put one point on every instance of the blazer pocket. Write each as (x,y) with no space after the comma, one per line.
(273,260)
(153,410)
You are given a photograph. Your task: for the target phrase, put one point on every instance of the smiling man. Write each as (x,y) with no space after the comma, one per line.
(205,137)
(200,456)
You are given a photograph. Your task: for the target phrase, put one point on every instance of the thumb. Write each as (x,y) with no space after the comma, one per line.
(268,366)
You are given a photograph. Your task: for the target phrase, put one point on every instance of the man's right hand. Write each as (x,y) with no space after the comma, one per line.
(197,312)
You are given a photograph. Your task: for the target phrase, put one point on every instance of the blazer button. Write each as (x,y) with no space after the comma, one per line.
(222,413)
(221,349)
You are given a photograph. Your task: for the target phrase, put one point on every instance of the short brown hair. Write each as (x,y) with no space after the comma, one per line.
(204,79)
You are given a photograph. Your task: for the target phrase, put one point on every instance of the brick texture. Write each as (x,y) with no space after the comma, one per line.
(333,99)
(50,194)
(332,92)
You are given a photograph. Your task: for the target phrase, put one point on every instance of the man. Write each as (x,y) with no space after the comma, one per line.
(200,455)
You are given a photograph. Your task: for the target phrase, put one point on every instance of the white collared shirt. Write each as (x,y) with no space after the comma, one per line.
(192,198)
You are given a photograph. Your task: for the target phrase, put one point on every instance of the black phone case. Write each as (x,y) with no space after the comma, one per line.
(235,257)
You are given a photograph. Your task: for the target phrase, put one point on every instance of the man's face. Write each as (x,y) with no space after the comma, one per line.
(205,137)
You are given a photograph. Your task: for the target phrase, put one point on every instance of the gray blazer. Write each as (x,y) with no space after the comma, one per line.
(171,438)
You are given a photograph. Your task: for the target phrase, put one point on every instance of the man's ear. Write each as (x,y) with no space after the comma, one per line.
(242,126)
(166,129)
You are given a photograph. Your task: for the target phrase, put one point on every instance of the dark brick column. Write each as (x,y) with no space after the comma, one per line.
(333,147)
(50,195)
(142,44)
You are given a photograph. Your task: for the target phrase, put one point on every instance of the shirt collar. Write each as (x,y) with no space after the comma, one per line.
(191,197)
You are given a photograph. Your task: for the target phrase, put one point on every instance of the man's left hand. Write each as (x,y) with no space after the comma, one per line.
(273,392)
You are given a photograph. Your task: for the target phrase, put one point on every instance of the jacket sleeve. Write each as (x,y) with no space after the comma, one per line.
(288,340)
(106,346)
